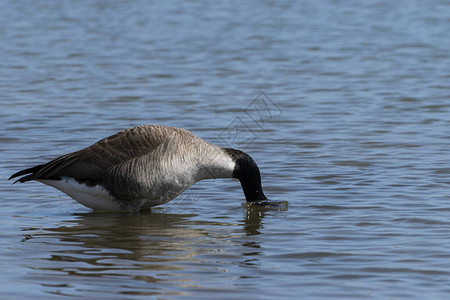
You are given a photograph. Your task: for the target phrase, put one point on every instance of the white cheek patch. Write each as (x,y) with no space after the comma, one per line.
(95,197)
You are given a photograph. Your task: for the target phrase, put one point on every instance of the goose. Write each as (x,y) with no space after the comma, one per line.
(144,166)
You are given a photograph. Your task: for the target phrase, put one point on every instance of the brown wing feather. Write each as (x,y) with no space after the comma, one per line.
(92,162)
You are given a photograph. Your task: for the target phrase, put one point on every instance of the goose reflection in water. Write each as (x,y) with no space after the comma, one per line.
(135,248)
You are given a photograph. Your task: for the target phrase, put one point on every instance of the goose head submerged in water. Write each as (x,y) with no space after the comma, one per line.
(142,167)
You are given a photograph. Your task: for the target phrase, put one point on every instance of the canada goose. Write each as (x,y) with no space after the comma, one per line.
(144,166)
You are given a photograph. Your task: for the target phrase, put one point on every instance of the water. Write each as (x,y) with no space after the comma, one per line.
(344,106)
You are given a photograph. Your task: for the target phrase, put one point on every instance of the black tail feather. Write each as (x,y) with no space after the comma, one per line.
(30,174)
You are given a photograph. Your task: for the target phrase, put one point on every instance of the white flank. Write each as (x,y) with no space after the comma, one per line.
(95,197)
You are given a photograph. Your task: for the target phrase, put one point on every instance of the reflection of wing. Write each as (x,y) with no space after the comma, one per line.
(92,163)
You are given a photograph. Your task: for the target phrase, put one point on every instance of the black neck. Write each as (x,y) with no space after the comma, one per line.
(248,174)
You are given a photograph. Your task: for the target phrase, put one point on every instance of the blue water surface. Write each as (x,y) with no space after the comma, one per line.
(345,106)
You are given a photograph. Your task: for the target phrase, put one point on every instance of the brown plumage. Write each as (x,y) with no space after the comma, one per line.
(143,166)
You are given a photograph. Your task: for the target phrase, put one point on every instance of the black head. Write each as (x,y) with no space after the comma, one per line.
(248,174)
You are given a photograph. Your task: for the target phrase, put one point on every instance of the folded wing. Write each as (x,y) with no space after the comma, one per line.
(92,163)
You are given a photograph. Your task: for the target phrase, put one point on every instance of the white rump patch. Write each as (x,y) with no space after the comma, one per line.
(95,197)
